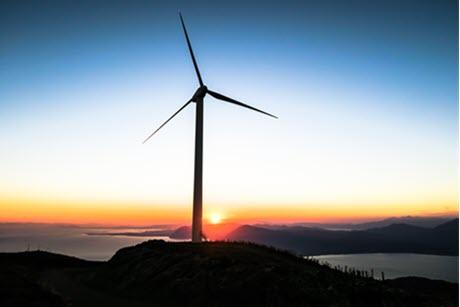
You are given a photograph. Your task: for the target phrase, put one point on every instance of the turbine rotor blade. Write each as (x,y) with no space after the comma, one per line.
(224,98)
(191,50)
(188,102)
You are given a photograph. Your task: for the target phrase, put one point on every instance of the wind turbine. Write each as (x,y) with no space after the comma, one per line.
(198,99)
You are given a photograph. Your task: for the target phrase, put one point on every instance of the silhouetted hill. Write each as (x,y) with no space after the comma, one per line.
(182,233)
(158,273)
(20,273)
(448,227)
(420,221)
(396,238)
(40,260)
(397,229)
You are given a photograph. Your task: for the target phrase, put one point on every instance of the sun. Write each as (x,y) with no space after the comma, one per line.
(215,218)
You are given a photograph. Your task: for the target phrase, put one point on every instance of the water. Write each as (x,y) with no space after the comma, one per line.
(73,240)
(68,240)
(399,265)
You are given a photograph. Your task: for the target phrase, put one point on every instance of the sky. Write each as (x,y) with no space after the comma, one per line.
(366,93)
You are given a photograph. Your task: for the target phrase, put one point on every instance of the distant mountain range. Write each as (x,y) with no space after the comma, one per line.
(394,238)
(421,221)
(425,235)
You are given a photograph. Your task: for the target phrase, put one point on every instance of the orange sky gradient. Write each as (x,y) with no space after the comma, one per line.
(142,214)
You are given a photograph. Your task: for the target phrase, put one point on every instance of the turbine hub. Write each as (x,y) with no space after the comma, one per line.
(200,93)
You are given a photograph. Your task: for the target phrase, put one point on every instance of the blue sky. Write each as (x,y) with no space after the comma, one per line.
(366,92)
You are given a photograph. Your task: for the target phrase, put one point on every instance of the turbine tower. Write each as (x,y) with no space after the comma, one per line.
(198,99)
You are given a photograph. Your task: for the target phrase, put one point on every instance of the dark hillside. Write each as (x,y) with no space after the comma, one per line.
(236,274)
(20,277)
(158,273)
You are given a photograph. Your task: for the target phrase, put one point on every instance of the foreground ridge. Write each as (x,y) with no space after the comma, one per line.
(158,273)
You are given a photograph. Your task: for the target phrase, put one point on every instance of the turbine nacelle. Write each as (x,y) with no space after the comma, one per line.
(200,93)
(203,90)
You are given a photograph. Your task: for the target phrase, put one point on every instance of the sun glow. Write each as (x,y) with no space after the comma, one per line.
(215,218)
